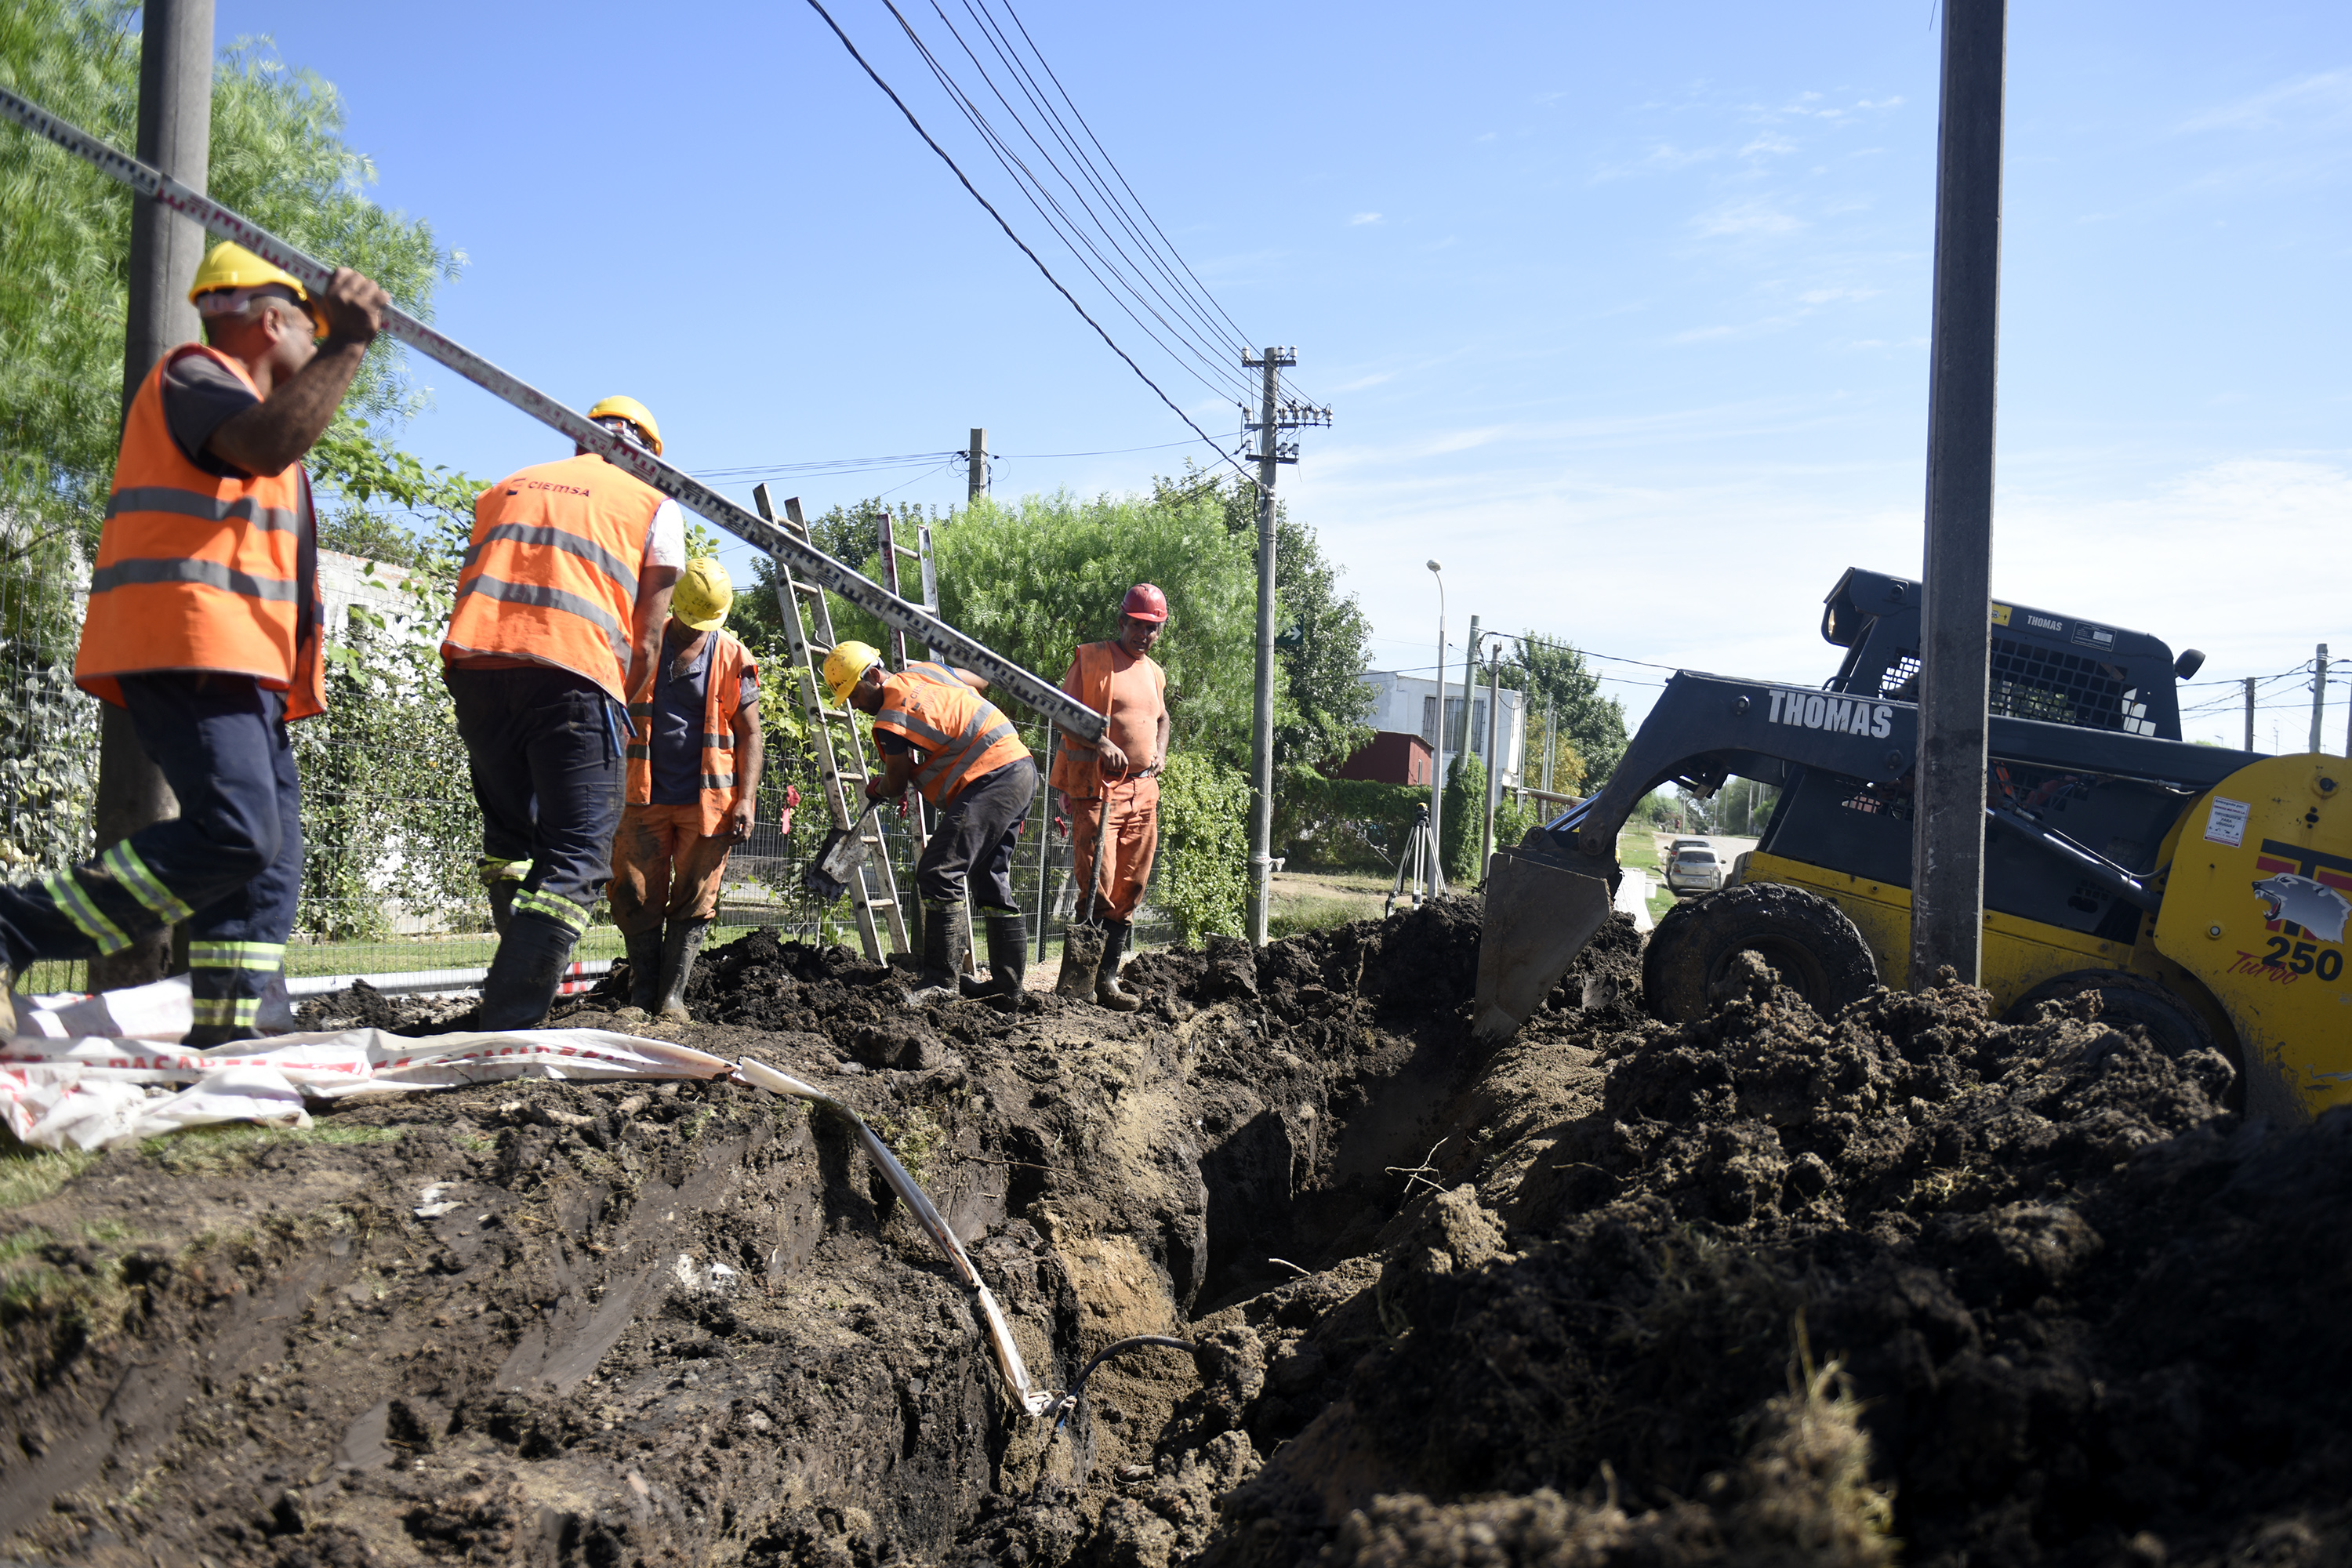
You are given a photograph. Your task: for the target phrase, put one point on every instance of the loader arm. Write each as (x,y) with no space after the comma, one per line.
(1546,898)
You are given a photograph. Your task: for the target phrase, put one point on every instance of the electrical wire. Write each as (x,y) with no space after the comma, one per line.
(961,179)
(1065,227)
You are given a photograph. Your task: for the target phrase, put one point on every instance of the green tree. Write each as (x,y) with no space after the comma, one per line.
(1586,726)
(1464,816)
(278,156)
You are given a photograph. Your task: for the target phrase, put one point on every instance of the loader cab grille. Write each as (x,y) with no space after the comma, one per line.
(2058,669)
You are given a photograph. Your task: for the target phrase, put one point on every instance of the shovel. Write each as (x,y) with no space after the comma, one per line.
(826,878)
(1083,938)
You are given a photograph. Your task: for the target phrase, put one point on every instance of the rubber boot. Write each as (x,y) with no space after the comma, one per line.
(944,951)
(1008,955)
(529,965)
(645,952)
(1082,945)
(1109,992)
(680,945)
(503,897)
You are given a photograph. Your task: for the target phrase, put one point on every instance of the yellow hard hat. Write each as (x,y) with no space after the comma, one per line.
(704,592)
(229,267)
(635,413)
(846,665)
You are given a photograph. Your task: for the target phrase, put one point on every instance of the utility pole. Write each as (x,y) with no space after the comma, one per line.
(1947,835)
(1494,760)
(976,467)
(1469,674)
(175,119)
(1274,416)
(1437,735)
(2249,712)
(1551,745)
(2318,692)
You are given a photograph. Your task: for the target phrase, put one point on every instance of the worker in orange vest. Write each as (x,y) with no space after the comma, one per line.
(561,601)
(935,730)
(1118,773)
(203,625)
(693,778)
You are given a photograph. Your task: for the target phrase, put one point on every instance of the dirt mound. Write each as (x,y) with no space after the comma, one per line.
(361,1006)
(1764,1287)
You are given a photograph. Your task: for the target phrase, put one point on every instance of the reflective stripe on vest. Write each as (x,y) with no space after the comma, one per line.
(201,572)
(551,570)
(960,733)
(731,661)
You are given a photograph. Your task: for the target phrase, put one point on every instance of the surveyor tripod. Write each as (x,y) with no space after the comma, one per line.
(1417,866)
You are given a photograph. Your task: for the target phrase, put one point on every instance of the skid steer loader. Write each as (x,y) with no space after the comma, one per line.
(2202,892)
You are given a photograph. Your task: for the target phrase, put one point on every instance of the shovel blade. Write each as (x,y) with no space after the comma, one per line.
(1539,915)
(826,878)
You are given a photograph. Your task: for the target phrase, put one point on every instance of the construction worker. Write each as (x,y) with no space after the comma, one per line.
(934,728)
(693,778)
(204,627)
(559,615)
(1118,773)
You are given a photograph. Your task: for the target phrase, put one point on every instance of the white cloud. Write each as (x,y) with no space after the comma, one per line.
(1745,220)
(2310,102)
(1363,218)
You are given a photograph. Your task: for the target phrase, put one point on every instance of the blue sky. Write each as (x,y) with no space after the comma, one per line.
(1623,311)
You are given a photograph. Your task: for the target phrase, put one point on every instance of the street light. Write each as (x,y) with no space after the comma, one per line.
(1437,741)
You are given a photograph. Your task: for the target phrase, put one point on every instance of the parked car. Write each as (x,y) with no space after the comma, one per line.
(1694,870)
(1677,846)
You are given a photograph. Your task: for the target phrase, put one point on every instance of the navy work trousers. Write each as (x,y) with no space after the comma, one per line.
(230,863)
(974,838)
(546,769)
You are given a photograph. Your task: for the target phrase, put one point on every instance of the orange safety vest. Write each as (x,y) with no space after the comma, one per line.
(957,734)
(201,572)
(1075,772)
(552,571)
(731,661)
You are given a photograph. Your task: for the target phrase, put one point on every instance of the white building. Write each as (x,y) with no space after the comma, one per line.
(1408,703)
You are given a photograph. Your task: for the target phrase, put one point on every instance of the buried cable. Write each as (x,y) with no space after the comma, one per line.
(1000,1333)
(1077,1394)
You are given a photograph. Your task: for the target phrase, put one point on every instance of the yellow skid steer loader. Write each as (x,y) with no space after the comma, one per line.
(2203,893)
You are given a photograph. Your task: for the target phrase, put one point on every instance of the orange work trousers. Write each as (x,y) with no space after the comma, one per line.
(1132,841)
(664,868)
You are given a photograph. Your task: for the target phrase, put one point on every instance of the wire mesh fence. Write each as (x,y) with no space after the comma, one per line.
(390,829)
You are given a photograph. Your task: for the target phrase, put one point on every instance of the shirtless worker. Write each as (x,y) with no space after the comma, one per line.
(1118,773)
(935,730)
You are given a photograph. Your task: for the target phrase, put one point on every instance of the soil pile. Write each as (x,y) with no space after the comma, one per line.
(1761,1287)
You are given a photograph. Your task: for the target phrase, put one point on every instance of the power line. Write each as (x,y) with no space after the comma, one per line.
(1032,188)
(818,7)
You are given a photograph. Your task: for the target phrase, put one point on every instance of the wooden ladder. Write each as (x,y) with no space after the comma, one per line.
(919,821)
(840,751)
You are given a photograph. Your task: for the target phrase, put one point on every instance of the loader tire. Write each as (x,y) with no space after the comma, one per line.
(1807,940)
(2173,1026)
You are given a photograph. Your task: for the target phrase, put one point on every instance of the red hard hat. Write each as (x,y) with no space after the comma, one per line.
(1145,603)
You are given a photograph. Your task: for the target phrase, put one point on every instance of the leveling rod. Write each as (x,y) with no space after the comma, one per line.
(805,560)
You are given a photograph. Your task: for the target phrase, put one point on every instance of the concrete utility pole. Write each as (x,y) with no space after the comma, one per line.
(1494,759)
(2249,712)
(1469,674)
(1947,833)
(1437,725)
(2318,692)
(175,119)
(1552,747)
(976,465)
(1274,416)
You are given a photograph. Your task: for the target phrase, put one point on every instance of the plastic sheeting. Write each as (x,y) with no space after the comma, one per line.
(85,1091)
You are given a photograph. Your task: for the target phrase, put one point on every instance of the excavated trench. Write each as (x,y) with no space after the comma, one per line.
(1766,1286)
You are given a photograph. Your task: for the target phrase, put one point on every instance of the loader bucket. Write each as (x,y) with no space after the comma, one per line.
(1539,915)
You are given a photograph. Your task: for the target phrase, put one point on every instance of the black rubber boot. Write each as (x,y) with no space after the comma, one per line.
(1109,992)
(1008,955)
(944,951)
(524,976)
(503,897)
(645,954)
(681,944)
